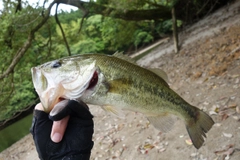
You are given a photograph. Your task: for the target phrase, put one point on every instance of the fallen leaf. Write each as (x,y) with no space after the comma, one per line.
(237,117)
(181,136)
(224,117)
(119,152)
(119,127)
(228,135)
(212,113)
(238,109)
(161,150)
(225,112)
(215,108)
(232,106)
(205,80)
(237,80)
(194,154)
(227,151)
(217,124)
(148,146)
(188,141)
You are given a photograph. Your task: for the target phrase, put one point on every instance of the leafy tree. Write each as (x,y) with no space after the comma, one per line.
(29,36)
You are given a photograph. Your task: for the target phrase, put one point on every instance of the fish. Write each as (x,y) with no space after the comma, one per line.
(116,83)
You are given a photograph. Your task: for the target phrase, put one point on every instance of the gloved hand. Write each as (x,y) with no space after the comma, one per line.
(76,143)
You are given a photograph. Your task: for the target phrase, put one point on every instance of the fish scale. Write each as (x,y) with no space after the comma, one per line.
(123,85)
(155,88)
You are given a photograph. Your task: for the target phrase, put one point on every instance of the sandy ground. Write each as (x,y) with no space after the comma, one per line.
(206,73)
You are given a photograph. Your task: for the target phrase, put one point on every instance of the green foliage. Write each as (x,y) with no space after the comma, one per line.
(21,98)
(66,17)
(16,90)
(98,35)
(142,37)
(87,46)
(101,35)
(117,33)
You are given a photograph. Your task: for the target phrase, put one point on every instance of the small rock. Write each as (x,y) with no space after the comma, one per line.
(206,103)
(181,136)
(217,124)
(237,80)
(212,113)
(228,135)
(238,109)
(194,154)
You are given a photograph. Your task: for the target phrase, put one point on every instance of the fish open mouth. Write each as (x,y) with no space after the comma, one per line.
(62,101)
(93,81)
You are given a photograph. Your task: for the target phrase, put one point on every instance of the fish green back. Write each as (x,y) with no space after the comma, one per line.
(142,88)
(144,91)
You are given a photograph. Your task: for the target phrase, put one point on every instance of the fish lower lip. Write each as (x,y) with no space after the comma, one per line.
(93,81)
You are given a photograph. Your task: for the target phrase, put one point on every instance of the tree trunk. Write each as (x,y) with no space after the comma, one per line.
(160,13)
(175,33)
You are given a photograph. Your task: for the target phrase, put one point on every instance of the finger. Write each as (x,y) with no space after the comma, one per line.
(39,107)
(58,129)
(79,109)
(59,111)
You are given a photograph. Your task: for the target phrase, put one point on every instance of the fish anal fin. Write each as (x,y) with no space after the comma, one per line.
(114,110)
(198,126)
(163,122)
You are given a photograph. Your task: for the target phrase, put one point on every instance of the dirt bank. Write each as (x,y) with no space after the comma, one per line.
(206,73)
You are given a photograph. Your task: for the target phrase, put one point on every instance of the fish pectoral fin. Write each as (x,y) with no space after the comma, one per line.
(163,122)
(119,86)
(114,110)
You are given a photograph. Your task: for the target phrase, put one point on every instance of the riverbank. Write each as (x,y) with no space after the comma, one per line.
(205,73)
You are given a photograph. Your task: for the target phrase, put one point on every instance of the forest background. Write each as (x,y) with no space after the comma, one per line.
(30,36)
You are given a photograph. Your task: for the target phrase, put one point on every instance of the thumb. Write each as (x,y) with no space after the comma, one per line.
(58,129)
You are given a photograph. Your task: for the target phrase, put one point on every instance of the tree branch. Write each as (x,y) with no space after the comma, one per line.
(19,6)
(85,13)
(27,44)
(10,92)
(75,3)
(63,34)
(161,12)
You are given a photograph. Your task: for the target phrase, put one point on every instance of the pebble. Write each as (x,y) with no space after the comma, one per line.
(181,136)
(228,135)
(212,113)
(194,154)
(217,124)
(237,80)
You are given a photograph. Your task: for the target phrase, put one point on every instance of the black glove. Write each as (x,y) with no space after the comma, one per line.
(77,141)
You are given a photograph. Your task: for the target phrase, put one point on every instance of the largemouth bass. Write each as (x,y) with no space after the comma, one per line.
(117,83)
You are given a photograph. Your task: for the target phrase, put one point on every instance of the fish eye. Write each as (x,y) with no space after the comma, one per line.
(56,64)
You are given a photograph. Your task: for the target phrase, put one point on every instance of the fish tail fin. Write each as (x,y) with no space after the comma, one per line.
(198,126)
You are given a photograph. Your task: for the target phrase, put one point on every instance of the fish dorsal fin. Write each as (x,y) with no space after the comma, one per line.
(163,122)
(120,55)
(114,110)
(160,73)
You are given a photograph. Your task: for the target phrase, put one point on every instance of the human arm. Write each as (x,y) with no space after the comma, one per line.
(75,129)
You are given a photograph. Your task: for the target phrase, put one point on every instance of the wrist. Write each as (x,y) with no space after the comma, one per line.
(77,157)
